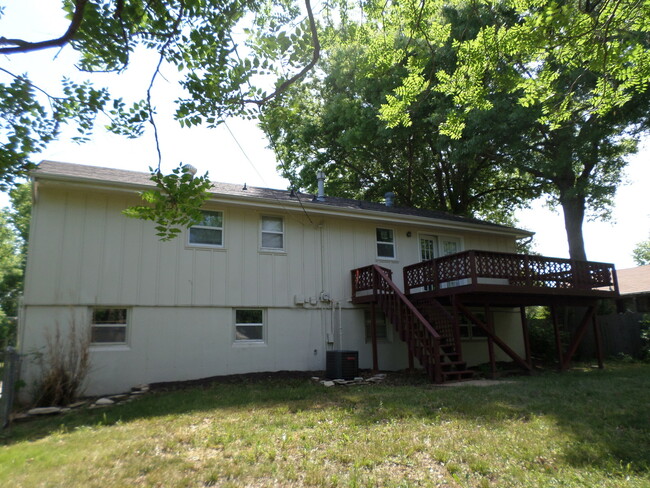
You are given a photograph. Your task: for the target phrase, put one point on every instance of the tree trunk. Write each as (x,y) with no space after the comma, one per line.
(573,207)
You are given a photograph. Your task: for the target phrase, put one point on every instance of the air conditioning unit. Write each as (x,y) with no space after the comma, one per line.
(342,364)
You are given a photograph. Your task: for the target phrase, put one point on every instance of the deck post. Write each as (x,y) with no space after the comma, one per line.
(472,266)
(524,330)
(437,368)
(490,341)
(497,340)
(598,339)
(579,334)
(558,338)
(434,272)
(373,332)
(409,345)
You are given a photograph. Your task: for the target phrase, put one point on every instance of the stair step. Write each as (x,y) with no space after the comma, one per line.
(463,375)
(453,363)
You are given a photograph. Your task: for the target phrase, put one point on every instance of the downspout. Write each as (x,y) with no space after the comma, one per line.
(340,323)
(329,331)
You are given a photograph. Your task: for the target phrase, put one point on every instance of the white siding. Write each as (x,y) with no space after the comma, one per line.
(85,252)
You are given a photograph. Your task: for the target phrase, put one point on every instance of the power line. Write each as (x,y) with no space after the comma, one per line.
(260,175)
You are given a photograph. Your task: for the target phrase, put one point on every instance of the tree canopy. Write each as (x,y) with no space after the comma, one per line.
(331,122)
(583,67)
(641,253)
(220,66)
(14,234)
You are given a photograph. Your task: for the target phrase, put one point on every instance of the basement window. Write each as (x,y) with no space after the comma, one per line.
(385,243)
(249,325)
(208,232)
(469,330)
(108,326)
(383,326)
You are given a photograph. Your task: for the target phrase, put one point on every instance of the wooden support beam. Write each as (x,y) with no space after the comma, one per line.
(526,334)
(373,333)
(454,314)
(410,343)
(498,341)
(579,334)
(558,337)
(599,341)
(490,341)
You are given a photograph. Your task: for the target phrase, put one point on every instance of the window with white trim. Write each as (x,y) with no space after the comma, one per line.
(385,243)
(272,233)
(382,326)
(249,325)
(108,326)
(208,232)
(469,330)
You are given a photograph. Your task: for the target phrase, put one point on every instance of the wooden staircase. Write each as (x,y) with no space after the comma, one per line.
(430,332)
(454,368)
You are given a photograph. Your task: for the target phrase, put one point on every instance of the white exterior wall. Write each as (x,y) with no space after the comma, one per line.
(181,299)
(507,325)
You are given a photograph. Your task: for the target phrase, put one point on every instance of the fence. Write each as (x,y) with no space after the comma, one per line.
(10,360)
(621,334)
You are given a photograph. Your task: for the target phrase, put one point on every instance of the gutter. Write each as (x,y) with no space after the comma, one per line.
(289,205)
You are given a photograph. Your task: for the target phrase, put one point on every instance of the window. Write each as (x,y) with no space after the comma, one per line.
(208,232)
(108,326)
(385,243)
(469,330)
(249,325)
(383,326)
(272,233)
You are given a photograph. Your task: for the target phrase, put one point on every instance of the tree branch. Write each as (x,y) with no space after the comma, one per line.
(150,110)
(314,59)
(21,46)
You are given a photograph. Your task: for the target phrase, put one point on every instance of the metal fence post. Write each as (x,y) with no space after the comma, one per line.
(8,385)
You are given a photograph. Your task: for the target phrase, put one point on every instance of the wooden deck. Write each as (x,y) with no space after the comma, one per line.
(510,279)
(438,291)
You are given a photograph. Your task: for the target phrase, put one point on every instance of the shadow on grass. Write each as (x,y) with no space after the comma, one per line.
(605,413)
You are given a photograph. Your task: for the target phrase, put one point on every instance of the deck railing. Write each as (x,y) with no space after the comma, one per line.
(521,271)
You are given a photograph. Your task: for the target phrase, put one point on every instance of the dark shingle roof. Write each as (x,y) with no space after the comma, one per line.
(69,171)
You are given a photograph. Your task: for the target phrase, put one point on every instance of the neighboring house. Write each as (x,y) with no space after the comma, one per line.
(270,280)
(634,285)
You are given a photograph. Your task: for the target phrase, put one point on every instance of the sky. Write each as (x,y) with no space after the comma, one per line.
(237,152)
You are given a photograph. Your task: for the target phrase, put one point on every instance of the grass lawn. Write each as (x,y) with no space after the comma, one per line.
(585,428)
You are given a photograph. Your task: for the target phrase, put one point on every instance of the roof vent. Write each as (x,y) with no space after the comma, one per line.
(320,176)
(188,168)
(390,197)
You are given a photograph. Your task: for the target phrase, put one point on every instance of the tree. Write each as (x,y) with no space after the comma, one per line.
(330,122)
(197,38)
(582,66)
(641,253)
(14,233)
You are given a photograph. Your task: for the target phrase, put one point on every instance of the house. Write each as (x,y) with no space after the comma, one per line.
(272,280)
(634,285)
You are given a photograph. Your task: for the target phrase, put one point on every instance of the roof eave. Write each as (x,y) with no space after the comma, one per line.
(299,206)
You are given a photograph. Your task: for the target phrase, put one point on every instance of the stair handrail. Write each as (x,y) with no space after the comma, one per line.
(380,271)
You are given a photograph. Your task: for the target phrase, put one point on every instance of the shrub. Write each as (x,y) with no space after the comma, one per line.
(645,338)
(64,367)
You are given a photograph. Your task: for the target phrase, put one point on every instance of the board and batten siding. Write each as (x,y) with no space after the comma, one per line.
(84,252)
(96,255)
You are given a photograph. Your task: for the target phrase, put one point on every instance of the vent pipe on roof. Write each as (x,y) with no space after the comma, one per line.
(320,176)
(188,168)
(389,196)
